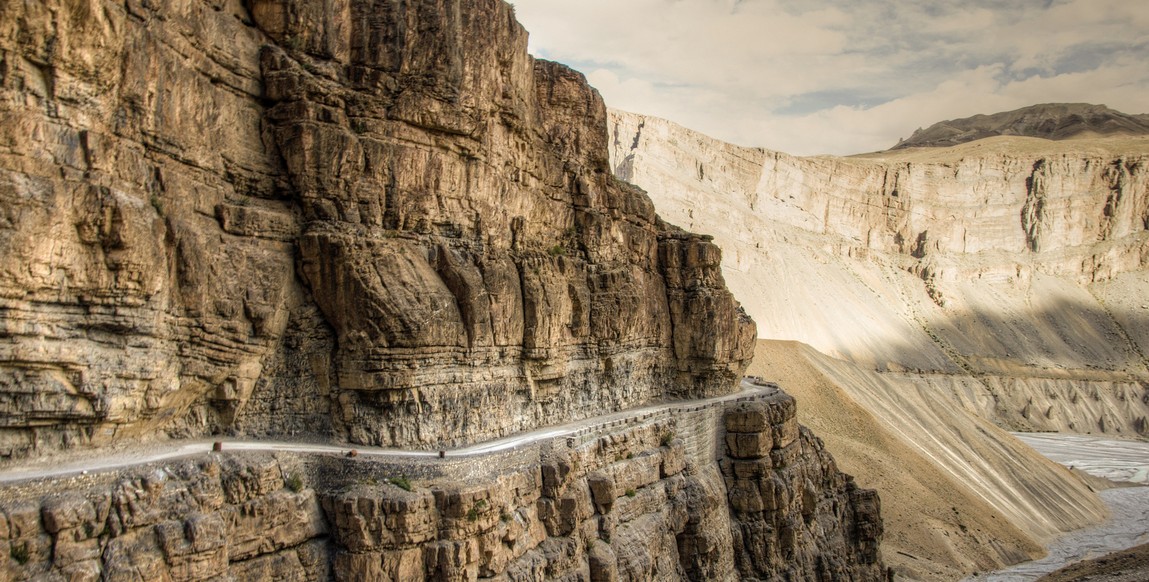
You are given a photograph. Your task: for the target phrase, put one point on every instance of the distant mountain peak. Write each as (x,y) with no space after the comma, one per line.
(1055,121)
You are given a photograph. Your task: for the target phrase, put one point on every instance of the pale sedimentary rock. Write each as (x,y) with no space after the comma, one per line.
(1017,260)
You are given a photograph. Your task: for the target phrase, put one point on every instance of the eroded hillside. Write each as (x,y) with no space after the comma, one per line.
(1001,280)
(1018,262)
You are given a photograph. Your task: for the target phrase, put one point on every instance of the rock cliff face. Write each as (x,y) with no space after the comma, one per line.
(378,221)
(1016,260)
(1001,280)
(238,516)
(669,498)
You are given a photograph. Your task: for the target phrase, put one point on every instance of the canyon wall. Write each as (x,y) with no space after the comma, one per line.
(365,220)
(725,492)
(1019,262)
(1001,280)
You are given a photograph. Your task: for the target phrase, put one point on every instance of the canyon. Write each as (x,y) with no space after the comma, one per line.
(921,302)
(371,227)
(378,225)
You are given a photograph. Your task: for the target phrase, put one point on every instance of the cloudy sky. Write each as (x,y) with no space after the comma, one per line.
(844,76)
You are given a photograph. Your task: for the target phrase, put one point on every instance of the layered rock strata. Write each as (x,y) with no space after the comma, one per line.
(1019,262)
(1000,280)
(778,474)
(671,497)
(375,221)
(239,517)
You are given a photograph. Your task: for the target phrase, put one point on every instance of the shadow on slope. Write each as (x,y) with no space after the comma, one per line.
(1075,337)
(1069,365)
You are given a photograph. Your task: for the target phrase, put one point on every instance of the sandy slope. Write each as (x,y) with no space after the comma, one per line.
(1131,565)
(958,495)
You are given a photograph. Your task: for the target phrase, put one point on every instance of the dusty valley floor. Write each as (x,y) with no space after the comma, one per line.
(1131,565)
(1115,550)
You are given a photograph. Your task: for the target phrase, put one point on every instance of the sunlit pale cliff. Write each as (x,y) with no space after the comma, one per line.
(1001,280)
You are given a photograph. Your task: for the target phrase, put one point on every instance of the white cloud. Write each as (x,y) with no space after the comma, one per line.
(844,76)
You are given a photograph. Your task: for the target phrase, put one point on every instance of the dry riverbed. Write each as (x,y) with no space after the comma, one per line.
(1114,551)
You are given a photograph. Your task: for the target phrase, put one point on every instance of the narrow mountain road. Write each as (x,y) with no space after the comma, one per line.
(93,461)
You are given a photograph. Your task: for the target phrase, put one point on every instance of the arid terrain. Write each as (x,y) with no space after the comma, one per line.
(359,290)
(921,302)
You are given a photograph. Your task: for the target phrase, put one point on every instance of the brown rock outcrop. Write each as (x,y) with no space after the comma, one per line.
(646,501)
(382,222)
(790,503)
(240,516)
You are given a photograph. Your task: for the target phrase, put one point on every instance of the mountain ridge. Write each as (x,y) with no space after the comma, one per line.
(1054,121)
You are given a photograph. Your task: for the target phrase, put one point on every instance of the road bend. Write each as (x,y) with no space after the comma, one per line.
(94,461)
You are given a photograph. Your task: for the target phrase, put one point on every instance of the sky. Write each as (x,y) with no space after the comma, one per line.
(844,76)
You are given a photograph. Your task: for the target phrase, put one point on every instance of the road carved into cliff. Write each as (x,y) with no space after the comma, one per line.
(129,457)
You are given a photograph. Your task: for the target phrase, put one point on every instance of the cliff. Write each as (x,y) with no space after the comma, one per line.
(380,223)
(1007,257)
(372,221)
(727,492)
(1001,280)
